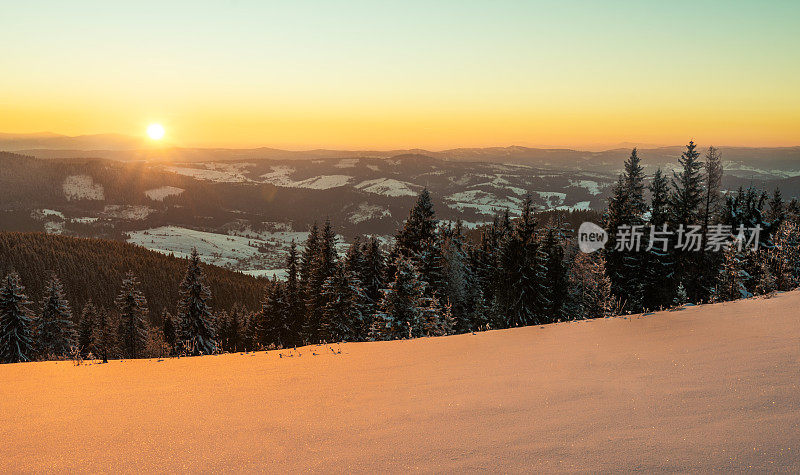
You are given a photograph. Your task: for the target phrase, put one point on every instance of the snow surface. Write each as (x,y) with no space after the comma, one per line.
(217,249)
(367,212)
(217,172)
(386,187)
(591,185)
(158,194)
(709,388)
(82,187)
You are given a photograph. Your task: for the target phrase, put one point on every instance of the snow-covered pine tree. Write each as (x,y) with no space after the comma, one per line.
(373,274)
(105,335)
(309,255)
(555,273)
(399,307)
(785,256)
(432,317)
(420,227)
(776,211)
(763,281)
(169,332)
(590,288)
(626,207)
(519,298)
(710,261)
(459,282)
(324,266)
(87,329)
(294,298)
(732,278)
(132,307)
(686,209)
(273,317)
(16,322)
(196,321)
(56,331)
(344,317)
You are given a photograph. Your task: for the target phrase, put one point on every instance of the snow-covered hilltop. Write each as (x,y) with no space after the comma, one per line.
(712,387)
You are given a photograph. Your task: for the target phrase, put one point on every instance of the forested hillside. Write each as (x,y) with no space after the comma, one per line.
(94,269)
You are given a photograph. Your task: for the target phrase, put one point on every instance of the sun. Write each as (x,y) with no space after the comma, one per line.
(155,131)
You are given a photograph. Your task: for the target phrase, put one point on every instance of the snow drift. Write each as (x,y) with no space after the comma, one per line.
(713,387)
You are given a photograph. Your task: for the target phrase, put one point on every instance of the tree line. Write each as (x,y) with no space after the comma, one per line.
(437,279)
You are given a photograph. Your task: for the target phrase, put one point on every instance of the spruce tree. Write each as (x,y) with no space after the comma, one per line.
(731,282)
(627,207)
(324,266)
(294,298)
(420,227)
(16,322)
(273,317)
(87,329)
(344,316)
(590,288)
(132,307)
(399,315)
(686,210)
(373,274)
(710,214)
(169,332)
(520,297)
(776,212)
(104,338)
(56,332)
(196,321)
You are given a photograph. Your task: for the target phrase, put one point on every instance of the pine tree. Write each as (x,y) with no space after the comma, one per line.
(56,332)
(555,274)
(294,298)
(785,256)
(104,338)
(686,209)
(710,261)
(776,211)
(731,281)
(419,229)
(399,312)
(520,295)
(169,332)
(196,321)
(432,317)
(132,307)
(373,274)
(16,322)
(273,317)
(590,288)
(324,266)
(627,207)
(344,315)
(87,329)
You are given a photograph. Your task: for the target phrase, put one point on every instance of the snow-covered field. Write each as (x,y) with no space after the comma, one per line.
(712,388)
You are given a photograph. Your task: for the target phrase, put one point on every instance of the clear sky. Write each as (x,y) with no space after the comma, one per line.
(377,74)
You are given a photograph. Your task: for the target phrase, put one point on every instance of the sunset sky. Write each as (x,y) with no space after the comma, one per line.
(376,74)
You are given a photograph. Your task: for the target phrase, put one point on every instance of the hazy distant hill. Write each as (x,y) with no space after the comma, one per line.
(749,161)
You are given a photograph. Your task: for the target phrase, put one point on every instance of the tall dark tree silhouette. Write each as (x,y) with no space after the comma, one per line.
(56,332)
(686,210)
(16,321)
(132,307)
(194,311)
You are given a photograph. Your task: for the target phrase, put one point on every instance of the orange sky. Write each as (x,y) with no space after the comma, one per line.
(413,75)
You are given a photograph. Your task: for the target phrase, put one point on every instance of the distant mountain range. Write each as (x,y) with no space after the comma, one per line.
(126,148)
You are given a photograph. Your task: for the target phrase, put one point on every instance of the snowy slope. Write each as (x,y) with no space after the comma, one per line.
(707,388)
